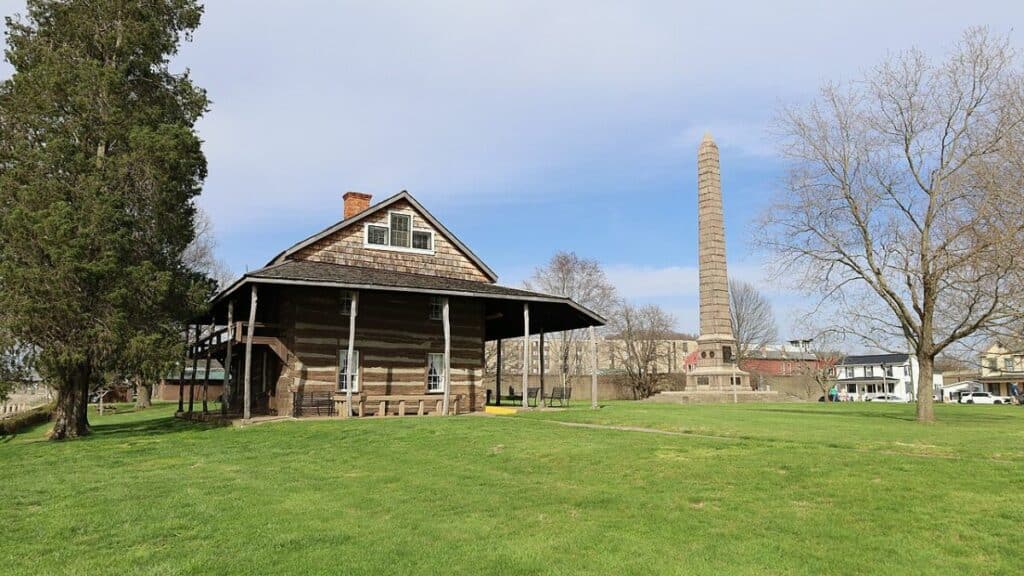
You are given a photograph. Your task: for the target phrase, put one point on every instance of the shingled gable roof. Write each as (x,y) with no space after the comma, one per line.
(403,195)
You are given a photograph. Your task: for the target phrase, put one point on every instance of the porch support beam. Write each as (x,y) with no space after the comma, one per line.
(195,368)
(181,380)
(225,399)
(593,369)
(206,376)
(526,353)
(497,376)
(542,367)
(351,352)
(250,332)
(447,355)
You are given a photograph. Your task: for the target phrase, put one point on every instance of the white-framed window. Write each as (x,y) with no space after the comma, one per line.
(889,371)
(401,226)
(435,372)
(422,240)
(849,371)
(1008,364)
(398,234)
(345,303)
(342,365)
(377,235)
(436,307)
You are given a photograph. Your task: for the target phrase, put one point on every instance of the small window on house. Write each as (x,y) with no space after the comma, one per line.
(851,388)
(342,369)
(727,353)
(401,224)
(345,303)
(436,307)
(421,240)
(889,371)
(377,235)
(849,371)
(435,372)
(1008,364)
(992,364)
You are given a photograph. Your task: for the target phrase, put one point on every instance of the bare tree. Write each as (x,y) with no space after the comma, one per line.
(642,330)
(200,255)
(584,281)
(904,206)
(753,320)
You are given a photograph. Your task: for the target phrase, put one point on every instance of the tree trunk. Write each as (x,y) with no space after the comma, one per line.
(925,389)
(143,393)
(72,415)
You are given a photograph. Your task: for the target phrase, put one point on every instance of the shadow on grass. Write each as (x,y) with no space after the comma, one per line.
(150,427)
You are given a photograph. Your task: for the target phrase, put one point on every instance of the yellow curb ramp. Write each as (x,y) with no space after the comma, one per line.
(500,410)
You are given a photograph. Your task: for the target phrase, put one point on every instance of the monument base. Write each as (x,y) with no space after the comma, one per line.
(717,379)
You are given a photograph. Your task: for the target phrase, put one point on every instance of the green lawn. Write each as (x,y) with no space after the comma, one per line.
(750,489)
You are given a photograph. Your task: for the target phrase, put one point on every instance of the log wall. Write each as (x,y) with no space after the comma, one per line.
(394,334)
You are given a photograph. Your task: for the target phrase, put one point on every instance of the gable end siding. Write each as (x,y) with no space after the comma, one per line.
(346,246)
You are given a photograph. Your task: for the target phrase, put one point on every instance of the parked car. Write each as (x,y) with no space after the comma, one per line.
(884,398)
(983,398)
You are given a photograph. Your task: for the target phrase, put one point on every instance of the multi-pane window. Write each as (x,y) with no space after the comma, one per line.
(377,235)
(435,372)
(401,225)
(398,233)
(342,370)
(849,371)
(436,307)
(345,303)
(889,371)
(421,240)
(992,364)
(1008,364)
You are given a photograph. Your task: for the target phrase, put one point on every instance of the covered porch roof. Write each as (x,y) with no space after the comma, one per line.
(503,305)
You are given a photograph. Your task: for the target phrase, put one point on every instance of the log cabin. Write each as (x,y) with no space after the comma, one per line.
(385,312)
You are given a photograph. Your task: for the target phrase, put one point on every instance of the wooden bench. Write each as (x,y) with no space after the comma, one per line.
(306,402)
(532,394)
(397,404)
(559,393)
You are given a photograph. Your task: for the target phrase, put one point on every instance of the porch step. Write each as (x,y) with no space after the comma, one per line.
(500,410)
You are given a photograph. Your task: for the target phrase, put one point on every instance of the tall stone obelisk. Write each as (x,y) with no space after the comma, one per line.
(716,363)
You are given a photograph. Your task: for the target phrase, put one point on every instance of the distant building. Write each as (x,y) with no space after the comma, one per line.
(1002,369)
(859,377)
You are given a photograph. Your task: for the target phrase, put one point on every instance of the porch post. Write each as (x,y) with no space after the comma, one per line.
(351,350)
(541,366)
(195,368)
(181,381)
(447,354)
(593,369)
(497,376)
(225,398)
(250,333)
(526,351)
(206,377)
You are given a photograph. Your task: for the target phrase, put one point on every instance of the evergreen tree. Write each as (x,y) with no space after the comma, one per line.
(99,166)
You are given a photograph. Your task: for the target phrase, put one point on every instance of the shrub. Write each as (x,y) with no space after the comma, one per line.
(18,422)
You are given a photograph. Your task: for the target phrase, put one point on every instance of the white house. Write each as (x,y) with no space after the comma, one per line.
(860,377)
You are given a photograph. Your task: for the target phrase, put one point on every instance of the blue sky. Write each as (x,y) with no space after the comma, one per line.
(528,127)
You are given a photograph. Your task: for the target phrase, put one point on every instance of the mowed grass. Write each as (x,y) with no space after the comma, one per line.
(748,489)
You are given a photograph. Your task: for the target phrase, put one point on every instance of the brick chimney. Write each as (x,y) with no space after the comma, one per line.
(356,202)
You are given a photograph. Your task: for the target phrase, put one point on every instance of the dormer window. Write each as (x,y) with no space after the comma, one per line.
(421,240)
(377,235)
(401,225)
(398,234)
